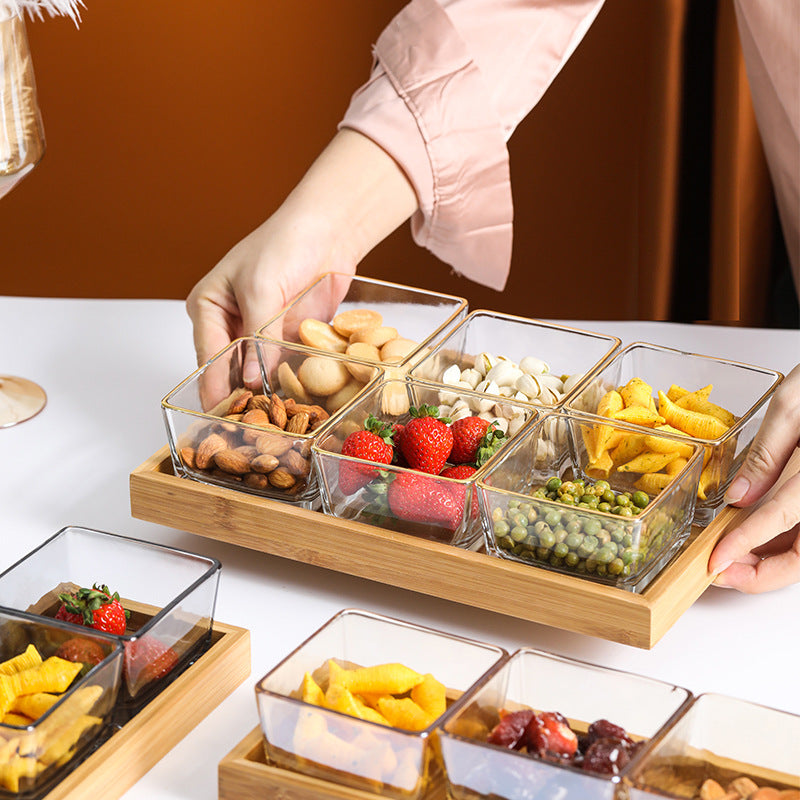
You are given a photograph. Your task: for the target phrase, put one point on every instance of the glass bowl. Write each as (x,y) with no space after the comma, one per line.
(391,760)
(724,740)
(583,694)
(394,496)
(169,593)
(257,438)
(624,535)
(58,688)
(399,322)
(501,355)
(738,390)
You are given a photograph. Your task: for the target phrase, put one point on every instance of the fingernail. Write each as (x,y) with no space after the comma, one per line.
(737,490)
(250,373)
(721,567)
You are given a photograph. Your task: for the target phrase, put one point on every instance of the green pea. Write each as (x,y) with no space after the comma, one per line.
(574,527)
(606,507)
(601,570)
(553,518)
(625,511)
(616,566)
(525,508)
(573,540)
(513,503)
(587,546)
(501,527)
(547,538)
(506,542)
(623,500)
(603,536)
(542,553)
(568,499)
(571,559)
(602,485)
(518,533)
(540,493)
(568,487)
(553,484)
(540,526)
(560,550)
(604,556)
(579,482)
(592,527)
(609,496)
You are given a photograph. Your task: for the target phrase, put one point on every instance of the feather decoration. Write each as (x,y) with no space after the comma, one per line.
(34,8)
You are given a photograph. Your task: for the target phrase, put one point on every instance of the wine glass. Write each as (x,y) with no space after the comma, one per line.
(21,149)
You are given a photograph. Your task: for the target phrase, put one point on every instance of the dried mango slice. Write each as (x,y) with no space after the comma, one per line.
(403,712)
(381,679)
(430,696)
(30,658)
(34,705)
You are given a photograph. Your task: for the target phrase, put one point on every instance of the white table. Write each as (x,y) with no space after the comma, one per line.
(106,365)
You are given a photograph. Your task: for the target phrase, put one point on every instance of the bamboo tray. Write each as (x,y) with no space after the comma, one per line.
(131,751)
(244,774)
(463,576)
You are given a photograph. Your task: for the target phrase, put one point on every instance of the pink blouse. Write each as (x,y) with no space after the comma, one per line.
(452,79)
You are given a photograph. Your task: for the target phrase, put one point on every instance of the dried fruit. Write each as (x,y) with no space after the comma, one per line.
(549,733)
(509,731)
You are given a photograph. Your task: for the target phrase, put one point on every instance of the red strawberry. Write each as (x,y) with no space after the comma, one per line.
(397,438)
(460,472)
(474,440)
(96,608)
(84,650)
(374,443)
(427,440)
(147,659)
(420,498)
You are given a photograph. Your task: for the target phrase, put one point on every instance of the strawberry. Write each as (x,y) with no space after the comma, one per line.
(147,659)
(397,438)
(427,440)
(96,608)
(460,472)
(474,440)
(420,498)
(84,650)
(374,443)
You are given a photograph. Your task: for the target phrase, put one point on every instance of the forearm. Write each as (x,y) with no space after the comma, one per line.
(352,197)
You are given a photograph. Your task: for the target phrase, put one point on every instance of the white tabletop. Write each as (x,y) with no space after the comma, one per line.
(106,364)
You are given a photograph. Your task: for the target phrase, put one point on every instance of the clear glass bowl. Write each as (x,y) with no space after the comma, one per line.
(501,354)
(542,682)
(720,739)
(625,547)
(257,438)
(449,515)
(170,595)
(414,318)
(394,762)
(53,712)
(741,389)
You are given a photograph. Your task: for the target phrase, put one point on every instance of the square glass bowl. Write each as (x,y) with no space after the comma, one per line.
(534,512)
(740,390)
(501,355)
(724,740)
(257,437)
(170,595)
(583,694)
(395,760)
(394,496)
(53,710)
(397,323)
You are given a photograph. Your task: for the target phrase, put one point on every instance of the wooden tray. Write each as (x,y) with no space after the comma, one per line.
(245,774)
(131,751)
(475,579)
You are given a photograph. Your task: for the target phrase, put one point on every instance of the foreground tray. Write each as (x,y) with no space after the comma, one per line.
(131,751)
(440,570)
(245,774)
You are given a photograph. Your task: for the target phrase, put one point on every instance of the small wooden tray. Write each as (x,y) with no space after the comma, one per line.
(244,774)
(131,751)
(463,576)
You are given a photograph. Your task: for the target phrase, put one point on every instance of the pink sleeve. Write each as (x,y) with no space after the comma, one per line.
(451,81)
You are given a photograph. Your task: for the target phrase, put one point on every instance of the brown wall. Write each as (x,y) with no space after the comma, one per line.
(175,128)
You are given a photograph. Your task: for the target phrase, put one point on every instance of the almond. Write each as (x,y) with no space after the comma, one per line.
(250,451)
(273,444)
(207,449)
(255,481)
(277,411)
(711,790)
(765,793)
(298,423)
(224,476)
(281,478)
(743,786)
(258,401)
(256,416)
(249,435)
(232,461)
(230,405)
(295,463)
(264,463)
(314,412)
(187,455)
(240,401)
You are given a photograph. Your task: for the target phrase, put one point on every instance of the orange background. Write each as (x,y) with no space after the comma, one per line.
(173,129)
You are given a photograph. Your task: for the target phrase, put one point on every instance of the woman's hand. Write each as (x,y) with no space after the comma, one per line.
(352,197)
(763,553)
